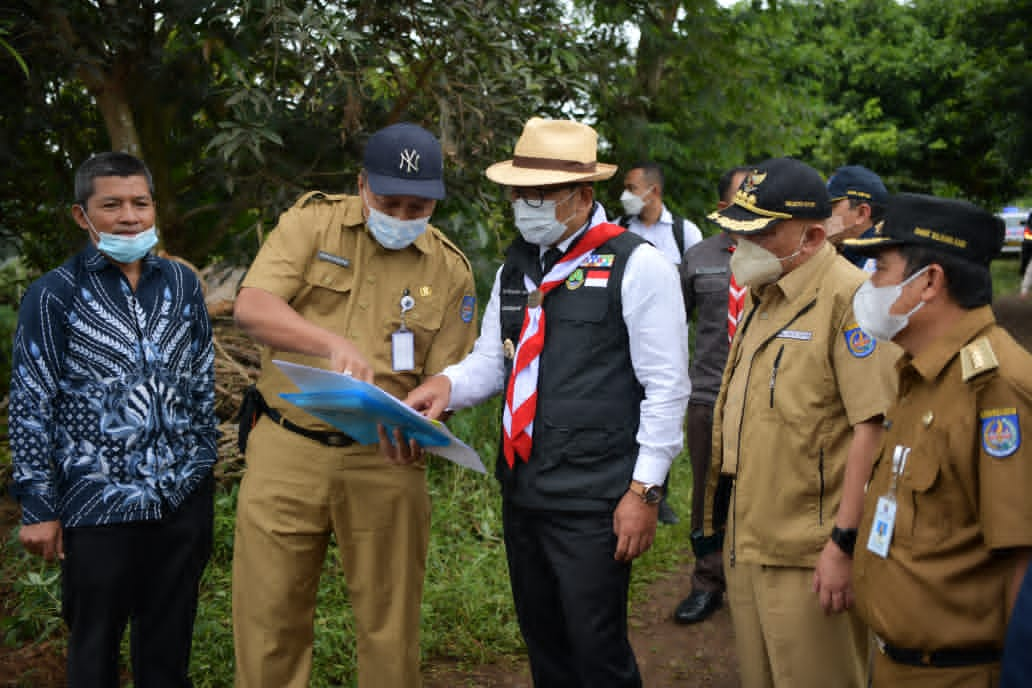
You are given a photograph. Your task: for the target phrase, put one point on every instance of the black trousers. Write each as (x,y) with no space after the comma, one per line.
(147,573)
(708,574)
(571,598)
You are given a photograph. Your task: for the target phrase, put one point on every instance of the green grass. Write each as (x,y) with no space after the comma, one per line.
(467,608)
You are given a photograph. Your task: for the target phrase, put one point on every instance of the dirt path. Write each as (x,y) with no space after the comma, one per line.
(670,656)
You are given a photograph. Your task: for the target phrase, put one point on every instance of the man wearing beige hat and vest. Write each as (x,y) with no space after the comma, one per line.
(591,356)
(796,424)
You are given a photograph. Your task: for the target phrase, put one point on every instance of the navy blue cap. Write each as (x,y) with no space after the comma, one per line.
(775,190)
(404,160)
(856,182)
(946,224)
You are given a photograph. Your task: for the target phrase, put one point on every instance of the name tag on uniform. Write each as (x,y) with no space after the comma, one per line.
(798,335)
(881,529)
(403,350)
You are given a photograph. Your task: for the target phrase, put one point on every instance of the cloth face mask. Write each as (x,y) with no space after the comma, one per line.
(871,307)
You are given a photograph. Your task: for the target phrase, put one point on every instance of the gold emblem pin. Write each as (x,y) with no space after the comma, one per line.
(927,418)
(425,291)
(509,349)
(534,298)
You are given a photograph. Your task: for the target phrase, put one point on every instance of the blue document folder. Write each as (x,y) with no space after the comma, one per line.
(358,410)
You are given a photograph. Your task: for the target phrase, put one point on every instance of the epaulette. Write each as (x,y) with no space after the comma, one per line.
(317,196)
(976,358)
(455,249)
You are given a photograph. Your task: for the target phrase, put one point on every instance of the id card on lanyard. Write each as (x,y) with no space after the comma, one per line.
(403,342)
(885,513)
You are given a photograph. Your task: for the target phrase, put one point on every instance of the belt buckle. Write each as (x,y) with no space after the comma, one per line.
(335,439)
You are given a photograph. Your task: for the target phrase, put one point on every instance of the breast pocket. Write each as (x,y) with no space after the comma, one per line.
(327,291)
(711,283)
(925,513)
(424,321)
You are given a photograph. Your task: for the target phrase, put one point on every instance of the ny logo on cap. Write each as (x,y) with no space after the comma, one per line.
(409,160)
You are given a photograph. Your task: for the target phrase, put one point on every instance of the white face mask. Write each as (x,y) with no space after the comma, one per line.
(538,225)
(632,205)
(752,265)
(392,233)
(871,307)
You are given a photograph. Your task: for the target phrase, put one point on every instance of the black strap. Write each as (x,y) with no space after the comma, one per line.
(330,439)
(678,230)
(677,227)
(940,658)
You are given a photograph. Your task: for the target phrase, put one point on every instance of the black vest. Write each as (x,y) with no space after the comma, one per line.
(588,398)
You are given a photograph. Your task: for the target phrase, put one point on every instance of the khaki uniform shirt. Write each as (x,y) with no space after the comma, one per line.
(800,374)
(962,496)
(323,261)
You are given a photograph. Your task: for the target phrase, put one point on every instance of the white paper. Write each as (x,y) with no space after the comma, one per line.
(310,379)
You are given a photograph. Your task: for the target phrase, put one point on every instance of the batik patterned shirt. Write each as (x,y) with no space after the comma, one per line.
(112,393)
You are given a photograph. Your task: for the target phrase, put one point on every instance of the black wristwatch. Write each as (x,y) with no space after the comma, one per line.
(845,538)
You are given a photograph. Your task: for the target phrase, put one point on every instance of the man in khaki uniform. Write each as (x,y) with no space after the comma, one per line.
(947,528)
(796,425)
(361,285)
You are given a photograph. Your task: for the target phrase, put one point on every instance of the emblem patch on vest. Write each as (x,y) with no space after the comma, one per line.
(598,260)
(859,343)
(468,307)
(575,279)
(1001,434)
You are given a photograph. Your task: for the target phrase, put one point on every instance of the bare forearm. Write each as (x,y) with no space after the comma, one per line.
(866,437)
(270,320)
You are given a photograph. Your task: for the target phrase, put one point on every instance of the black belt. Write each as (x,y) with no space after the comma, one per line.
(330,439)
(940,658)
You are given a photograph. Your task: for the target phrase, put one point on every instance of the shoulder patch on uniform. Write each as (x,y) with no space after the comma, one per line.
(438,234)
(1001,432)
(468,308)
(976,358)
(858,342)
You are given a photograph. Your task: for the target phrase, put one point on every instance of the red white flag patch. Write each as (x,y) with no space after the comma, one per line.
(596,278)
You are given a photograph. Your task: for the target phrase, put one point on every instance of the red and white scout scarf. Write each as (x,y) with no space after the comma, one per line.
(521,394)
(735,304)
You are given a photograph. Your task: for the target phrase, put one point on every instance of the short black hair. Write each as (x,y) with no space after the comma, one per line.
(112,164)
(969,284)
(724,184)
(651,170)
(877,209)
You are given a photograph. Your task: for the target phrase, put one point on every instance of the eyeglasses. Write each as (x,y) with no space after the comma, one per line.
(535,196)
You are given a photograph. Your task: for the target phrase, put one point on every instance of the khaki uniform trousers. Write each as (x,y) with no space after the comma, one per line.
(889,674)
(294,494)
(782,636)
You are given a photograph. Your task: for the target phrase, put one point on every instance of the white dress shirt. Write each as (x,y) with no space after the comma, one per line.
(653,311)
(661,234)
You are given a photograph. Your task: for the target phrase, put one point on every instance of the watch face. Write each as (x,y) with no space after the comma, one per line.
(653,495)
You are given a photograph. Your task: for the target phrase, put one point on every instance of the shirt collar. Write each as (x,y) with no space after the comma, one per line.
(934,359)
(803,280)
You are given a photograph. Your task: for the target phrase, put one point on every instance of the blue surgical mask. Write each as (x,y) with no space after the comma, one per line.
(392,233)
(124,249)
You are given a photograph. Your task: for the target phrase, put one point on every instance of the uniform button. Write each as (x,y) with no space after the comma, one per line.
(327,280)
(371,279)
(363,305)
(763,315)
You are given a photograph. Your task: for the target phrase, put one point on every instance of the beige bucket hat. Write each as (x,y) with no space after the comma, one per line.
(552,151)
